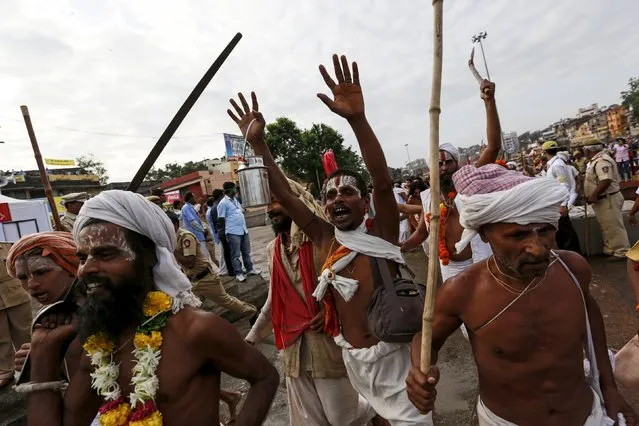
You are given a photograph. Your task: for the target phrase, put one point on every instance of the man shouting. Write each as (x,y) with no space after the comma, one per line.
(527,309)
(152,355)
(376,369)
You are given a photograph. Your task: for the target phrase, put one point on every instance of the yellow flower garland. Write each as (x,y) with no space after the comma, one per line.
(154,419)
(118,416)
(98,343)
(156,302)
(142,340)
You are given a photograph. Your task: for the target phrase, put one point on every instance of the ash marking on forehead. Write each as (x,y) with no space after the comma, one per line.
(103,234)
(32,263)
(342,181)
(445,156)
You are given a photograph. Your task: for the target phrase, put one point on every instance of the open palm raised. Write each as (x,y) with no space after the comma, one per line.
(250,121)
(348,100)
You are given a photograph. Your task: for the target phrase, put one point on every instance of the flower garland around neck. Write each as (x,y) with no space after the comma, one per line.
(141,409)
(444,209)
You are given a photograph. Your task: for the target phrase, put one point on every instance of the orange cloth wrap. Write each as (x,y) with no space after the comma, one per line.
(331,321)
(58,245)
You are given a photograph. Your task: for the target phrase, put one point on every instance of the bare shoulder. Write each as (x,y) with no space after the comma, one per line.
(194,326)
(456,292)
(578,265)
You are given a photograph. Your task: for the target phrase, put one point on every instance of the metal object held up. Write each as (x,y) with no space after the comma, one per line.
(253,180)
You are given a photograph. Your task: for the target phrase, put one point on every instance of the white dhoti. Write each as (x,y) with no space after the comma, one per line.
(324,402)
(597,415)
(379,375)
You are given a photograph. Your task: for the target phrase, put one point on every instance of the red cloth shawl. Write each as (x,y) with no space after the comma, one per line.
(290,313)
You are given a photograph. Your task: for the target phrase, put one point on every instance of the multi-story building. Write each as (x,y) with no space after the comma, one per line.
(585,112)
(418,167)
(511,142)
(200,183)
(617,119)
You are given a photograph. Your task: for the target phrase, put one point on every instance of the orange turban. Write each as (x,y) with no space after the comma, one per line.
(59,245)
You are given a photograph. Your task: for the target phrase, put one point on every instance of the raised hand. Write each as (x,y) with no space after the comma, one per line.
(348,100)
(246,117)
(487,90)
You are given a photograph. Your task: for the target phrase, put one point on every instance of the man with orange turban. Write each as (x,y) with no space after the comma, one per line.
(46,265)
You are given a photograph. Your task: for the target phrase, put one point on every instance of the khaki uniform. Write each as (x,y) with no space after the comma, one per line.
(204,275)
(15,317)
(608,207)
(67,221)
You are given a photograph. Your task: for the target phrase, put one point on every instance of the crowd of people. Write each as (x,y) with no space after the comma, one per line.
(122,338)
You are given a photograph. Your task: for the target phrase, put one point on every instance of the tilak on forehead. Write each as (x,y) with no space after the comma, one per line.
(341,181)
(101,235)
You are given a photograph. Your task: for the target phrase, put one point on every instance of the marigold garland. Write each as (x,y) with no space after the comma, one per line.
(141,409)
(444,254)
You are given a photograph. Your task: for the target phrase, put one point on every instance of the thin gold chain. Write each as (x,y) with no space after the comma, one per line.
(532,285)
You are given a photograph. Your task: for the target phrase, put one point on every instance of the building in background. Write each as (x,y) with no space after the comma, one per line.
(418,167)
(26,185)
(585,112)
(511,142)
(617,118)
(200,183)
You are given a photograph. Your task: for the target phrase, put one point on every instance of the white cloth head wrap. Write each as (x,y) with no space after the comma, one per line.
(493,194)
(451,149)
(134,212)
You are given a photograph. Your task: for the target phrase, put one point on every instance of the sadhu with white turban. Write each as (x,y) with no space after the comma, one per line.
(152,354)
(527,309)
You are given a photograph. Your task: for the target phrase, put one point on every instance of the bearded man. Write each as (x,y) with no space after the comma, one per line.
(348,241)
(319,392)
(527,309)
(451,261)
(154,355)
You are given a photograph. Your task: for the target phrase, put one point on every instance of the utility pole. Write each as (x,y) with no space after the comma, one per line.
(407,153)
(477,39)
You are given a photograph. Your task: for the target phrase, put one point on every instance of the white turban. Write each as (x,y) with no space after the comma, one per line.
(493,194)
(451,149)
(134,212)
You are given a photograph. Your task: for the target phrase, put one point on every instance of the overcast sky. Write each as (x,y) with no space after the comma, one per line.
(107,77)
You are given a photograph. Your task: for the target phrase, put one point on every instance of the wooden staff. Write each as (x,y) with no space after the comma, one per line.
(43,173)
(181,114)
(433,244)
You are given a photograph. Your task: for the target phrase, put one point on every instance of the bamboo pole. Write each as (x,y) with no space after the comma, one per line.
(434,112)
(43,173)
(181,114)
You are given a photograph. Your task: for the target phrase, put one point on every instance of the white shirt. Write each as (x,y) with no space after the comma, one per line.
(560,171)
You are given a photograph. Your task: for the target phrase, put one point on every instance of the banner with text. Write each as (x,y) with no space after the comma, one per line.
(58,162)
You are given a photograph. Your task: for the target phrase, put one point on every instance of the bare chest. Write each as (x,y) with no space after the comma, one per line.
(550,320)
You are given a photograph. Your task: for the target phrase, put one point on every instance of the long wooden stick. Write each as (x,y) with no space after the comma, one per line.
(43,173)
(433,244)
(181,114)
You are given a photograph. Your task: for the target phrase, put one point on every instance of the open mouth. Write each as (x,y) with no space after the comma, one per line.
(93,287)
(341,212)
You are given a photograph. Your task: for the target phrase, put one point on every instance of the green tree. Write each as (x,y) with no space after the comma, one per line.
(174,170)
(630,98)
(93,166)
(299,152)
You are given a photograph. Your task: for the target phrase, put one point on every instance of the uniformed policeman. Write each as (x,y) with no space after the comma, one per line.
(72,203)
(203,273)
(603,192)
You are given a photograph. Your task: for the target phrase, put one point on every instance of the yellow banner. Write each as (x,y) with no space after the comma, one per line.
(54,162)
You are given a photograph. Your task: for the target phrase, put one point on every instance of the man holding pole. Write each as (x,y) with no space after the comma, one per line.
(452,262)
(528,348)
(376,369)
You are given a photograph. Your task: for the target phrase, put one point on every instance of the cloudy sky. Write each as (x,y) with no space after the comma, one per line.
(107,77)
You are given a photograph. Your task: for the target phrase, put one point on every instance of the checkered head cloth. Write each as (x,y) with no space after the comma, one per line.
(471,180)
(493,194)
